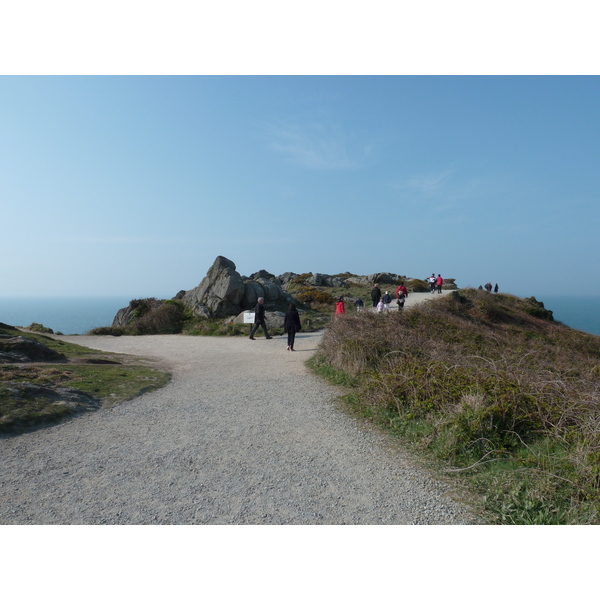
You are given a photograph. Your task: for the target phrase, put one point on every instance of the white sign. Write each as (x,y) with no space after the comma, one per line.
(249,316)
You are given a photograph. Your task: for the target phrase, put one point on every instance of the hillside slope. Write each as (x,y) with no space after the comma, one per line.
(491,386)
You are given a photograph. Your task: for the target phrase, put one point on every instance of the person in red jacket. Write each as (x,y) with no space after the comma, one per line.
(339,307)
(401,295)
(439,282)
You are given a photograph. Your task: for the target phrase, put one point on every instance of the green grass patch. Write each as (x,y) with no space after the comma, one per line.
(105,377)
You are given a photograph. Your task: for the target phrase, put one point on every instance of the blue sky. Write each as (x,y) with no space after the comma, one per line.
(133,185)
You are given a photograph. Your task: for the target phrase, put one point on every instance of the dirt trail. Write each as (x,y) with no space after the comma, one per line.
(243,434)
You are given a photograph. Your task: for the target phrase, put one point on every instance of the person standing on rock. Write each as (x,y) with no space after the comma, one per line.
(259,319)
(291,325)
(375,295)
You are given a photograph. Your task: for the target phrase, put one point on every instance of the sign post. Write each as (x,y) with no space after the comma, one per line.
(249,318)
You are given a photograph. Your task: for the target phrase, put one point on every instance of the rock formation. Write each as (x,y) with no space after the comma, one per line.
(223,292)
(219,294)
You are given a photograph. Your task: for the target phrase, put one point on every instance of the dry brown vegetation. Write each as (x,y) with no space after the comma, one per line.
(490,385)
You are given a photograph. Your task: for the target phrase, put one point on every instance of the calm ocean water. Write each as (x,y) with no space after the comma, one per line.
(64,315)
(579,312)
(79,315)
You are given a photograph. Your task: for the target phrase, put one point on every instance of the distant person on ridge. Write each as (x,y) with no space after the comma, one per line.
(375,295)
(439,282)
(259,319)
(496,289)
(488,286)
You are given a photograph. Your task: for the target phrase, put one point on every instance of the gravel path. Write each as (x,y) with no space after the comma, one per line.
(243,434)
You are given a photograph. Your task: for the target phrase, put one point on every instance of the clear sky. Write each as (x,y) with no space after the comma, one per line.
(133,185)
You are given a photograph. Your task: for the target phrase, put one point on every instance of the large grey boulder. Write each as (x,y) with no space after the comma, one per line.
(287,277)
(220,293)
(276,298)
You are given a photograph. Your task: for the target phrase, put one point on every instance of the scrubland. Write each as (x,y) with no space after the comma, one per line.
(490,390)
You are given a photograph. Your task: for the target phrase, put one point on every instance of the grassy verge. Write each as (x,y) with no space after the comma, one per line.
(490,390)
(27,391)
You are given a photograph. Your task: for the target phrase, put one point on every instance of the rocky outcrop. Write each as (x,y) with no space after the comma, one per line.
(224,292)
(19,349)
(287,277)
(220,293)
(322,280)
(367,280)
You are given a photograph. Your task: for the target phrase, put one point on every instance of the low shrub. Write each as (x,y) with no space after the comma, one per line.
(476,379)
(312,295)
(38,327)
(163,319)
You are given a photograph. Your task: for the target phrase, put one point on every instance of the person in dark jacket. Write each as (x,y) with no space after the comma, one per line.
(359,304)
(291,325)
(259,319)
(375,295)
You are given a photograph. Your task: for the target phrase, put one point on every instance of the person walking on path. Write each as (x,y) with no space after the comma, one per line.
(291,325)
(359,304)
(387,299)
(439,282)
(259,319)
(401,295)
(339,307)
(431,280)
(380,306)
(401,290)
(375,295)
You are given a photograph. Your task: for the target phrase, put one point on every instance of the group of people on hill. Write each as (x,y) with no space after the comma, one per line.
(381,302)
(488,287)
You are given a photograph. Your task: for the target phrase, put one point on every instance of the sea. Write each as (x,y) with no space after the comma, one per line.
(578,312)
(69,316)
(77,316)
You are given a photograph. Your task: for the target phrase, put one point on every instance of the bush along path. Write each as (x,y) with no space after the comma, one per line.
(242,434)
(492,389)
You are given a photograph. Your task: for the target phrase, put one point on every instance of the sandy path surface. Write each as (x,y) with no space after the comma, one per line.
(243,434)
